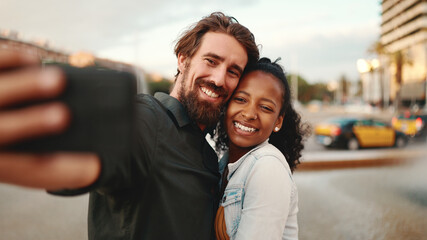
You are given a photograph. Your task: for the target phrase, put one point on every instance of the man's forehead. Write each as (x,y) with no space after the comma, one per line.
(225,46)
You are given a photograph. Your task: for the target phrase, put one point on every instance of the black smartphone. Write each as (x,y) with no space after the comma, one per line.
(101,101)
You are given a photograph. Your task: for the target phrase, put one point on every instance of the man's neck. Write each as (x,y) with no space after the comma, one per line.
(201,126)
(175,95)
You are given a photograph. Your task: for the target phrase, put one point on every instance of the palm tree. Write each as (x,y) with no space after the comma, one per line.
(398,59)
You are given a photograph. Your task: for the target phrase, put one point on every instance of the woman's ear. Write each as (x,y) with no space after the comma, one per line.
(278,124)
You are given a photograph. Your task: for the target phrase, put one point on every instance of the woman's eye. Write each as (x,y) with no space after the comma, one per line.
(239,99)
(267,108)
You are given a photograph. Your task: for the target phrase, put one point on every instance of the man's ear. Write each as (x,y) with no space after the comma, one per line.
(182,62)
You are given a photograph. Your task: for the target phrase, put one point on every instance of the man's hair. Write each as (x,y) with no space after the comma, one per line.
(189,42)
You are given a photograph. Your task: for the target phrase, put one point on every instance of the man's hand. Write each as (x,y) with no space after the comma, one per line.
(22,80)
(28,83)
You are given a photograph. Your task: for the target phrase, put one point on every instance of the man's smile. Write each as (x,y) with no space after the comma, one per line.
(209,92)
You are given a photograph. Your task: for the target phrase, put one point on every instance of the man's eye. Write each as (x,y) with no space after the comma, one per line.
(210,61)
(234,73)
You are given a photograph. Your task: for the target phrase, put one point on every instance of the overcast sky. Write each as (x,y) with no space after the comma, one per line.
(321,40)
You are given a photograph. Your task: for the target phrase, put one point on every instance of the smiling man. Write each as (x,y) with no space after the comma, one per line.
(167,187)
(206,80)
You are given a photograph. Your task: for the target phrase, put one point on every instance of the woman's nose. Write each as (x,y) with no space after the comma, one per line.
(249,114)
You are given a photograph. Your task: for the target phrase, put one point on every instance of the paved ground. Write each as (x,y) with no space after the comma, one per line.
(28,214)
(375,203)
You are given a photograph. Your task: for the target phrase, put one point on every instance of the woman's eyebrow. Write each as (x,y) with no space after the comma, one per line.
(263,99)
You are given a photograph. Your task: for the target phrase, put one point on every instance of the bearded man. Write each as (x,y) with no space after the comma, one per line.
(167,186)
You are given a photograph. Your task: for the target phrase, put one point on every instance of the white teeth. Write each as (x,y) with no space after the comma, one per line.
(209,93)
(244,128)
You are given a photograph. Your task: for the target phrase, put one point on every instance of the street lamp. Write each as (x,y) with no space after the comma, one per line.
(363,65)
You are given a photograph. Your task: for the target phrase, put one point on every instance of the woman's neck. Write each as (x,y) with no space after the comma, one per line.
(236,152)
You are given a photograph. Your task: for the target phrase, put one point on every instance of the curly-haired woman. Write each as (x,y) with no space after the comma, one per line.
(263,136)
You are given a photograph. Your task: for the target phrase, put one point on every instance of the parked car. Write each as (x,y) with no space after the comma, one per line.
(355,133)
(412,124)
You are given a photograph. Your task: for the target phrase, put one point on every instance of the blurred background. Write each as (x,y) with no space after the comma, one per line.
(357,69)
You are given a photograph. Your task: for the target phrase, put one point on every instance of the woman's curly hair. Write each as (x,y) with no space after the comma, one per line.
(289,139)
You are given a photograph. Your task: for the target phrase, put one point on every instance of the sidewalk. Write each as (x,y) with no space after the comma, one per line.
(331,159)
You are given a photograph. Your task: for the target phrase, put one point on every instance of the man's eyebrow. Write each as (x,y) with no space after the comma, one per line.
(213,55)
(238,68)
(217,57)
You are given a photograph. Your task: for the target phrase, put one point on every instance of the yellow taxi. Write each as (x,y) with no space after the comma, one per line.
(412,124)
(355,133)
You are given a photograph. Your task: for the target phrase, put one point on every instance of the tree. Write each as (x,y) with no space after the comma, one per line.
(398,59)
(308,92)
(158,84)
(321,92)
(359,91)
(303,87)
(343,88)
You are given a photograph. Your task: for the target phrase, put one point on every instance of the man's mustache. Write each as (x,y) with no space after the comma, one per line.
(219,90)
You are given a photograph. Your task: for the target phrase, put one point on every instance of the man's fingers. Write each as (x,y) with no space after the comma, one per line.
(51,171)
(11,59)
(32,83)
(32,122)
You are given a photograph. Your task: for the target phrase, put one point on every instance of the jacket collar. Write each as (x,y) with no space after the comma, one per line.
(175,108)
(232,167)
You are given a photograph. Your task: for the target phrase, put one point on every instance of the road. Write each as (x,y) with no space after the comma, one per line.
(36,215)
(388,203)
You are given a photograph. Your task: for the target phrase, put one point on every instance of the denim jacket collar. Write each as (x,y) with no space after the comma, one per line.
(232,167)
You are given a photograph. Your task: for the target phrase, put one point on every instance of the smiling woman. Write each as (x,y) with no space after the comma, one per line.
(254,111)
(263,135)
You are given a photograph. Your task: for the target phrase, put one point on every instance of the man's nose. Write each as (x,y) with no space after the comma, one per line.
(220,77)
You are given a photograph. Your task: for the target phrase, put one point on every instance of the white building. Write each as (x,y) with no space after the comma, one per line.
(404,33)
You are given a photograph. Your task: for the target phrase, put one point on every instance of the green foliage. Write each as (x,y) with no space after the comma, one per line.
(321,92)
(344,84)
(162,86)
(308,92)
(359,92)
(154,86)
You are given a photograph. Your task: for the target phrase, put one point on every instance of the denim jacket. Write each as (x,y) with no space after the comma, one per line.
(261,198)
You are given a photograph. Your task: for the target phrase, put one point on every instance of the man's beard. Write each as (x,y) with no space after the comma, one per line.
(202,112)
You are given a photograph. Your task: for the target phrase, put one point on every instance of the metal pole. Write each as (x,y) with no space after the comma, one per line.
(294,78)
